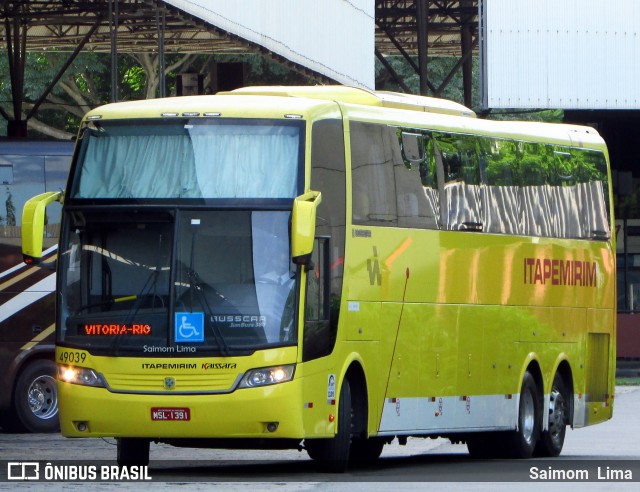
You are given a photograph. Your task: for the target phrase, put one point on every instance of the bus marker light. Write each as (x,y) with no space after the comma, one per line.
(308,405)
(331,417)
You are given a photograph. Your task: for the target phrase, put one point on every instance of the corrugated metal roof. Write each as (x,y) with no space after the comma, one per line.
(575,54)
(332,37)
(333,40)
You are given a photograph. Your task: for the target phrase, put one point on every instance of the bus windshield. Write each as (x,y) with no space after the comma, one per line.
(230,290)
(182,159)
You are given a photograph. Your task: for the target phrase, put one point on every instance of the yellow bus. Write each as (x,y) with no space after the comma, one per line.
(331,268)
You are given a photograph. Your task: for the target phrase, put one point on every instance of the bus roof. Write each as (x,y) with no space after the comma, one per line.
(355,95)
(380,106)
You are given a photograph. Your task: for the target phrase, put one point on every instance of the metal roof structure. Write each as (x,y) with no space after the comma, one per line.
(397,25)
(63,24)
(413,29)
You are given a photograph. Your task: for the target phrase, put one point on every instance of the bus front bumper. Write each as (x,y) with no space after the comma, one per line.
(274,411)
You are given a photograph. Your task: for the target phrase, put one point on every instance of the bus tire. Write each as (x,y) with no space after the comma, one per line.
(35,398)
(521,443)
(332,455)
(365,450)
(484,445)
(132,451)
(551,440)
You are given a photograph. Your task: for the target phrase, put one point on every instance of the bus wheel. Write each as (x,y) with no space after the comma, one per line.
(133,451)
(363,451)
(485,445)
(332,455)
(552,440)
(36,397)
(522,442)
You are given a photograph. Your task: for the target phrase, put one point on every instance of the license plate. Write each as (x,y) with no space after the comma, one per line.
(170,414)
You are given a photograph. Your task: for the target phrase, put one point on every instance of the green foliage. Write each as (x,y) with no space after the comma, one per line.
(135,78)
(87,82)
(84,80)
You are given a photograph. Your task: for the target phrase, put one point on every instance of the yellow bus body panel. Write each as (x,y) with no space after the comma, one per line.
(444,324)
(450,314)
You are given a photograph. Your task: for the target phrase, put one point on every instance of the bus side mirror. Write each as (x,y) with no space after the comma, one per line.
(303,226)
(33,225)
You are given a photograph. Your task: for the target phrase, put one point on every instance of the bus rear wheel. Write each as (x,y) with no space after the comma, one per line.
(332,455)
(133,451)
(551,440)
(522,442)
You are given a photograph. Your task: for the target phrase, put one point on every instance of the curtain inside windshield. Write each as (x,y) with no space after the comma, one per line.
(195,159)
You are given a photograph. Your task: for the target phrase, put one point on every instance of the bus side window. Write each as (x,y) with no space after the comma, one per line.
(318,333)
(415,179)
(461,194)
(502,209)
(373,190)
(593,179)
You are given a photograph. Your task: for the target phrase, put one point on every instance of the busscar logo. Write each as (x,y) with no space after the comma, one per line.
(373,266)
(23,470)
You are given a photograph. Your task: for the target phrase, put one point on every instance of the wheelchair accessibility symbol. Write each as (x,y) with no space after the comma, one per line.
(189,327)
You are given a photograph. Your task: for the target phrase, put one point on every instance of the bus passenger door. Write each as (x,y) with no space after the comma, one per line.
(319,335)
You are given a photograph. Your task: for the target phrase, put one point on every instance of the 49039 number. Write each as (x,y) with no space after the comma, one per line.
(72,357)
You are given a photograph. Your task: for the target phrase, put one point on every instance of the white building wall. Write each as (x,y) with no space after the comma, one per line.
(332,37)
(570,54)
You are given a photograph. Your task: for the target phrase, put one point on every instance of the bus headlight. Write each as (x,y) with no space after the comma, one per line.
(80,375)
(267,375)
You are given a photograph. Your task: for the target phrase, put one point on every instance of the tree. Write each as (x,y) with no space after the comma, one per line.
(87,83)
(81,88)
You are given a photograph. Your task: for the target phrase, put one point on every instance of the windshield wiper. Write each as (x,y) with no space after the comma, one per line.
(204,302)
(149,288)
(194,286)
